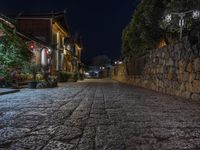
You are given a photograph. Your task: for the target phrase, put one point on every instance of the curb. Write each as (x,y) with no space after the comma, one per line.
(9,92)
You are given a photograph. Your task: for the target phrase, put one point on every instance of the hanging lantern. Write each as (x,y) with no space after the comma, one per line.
(44,56)
(31,45)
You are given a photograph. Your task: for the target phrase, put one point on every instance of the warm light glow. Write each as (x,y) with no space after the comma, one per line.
(58,28)
(162,43)
(87,74)
(65,51)
(78,47)
(69,47)
(118,62)
(31,45)
(44,58)
(49,51)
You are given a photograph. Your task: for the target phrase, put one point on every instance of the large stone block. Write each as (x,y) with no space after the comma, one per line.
(177,55)
(176,85)
(189,87)
(160,83)
(191,77)
(172,74)
(182,87)
(195,50)
(195,97)
(190,67)
(183,77)
(170,62)
(196,86)
(186,94)
(197,65)
(197,76)
(182,66)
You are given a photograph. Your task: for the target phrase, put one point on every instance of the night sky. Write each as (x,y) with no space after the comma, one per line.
(100,22)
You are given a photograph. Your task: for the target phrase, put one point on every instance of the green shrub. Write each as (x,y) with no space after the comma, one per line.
(81,76)
(64,76)
(76,76)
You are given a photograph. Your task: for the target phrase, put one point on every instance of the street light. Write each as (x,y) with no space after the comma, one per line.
(196,14)
(118,62)
(181,15)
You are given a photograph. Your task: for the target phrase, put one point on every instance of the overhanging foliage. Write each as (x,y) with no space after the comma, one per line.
(13,50)
(147,27)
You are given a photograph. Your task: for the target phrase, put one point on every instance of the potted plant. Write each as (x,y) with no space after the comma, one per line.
(33,69)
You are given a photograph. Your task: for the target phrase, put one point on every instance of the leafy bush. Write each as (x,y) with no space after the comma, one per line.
(69,76)
(13,53)
(3,71)
(28,76)
(64,76)
(33,69)
(39,77)
(76,76)
(81,76)
(13,50)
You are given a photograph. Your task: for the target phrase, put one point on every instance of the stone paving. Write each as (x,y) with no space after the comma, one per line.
(97,115)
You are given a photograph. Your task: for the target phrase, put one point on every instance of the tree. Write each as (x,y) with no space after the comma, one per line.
(143,32)
(13,50)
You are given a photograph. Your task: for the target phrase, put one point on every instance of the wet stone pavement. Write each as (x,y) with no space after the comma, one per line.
(99,115)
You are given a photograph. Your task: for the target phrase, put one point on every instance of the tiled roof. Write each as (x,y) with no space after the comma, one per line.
(60,17)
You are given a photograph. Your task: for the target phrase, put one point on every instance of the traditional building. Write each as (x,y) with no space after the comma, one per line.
(53,30)
(35,43)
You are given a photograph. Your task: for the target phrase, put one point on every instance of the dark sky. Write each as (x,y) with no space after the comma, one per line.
(100,22)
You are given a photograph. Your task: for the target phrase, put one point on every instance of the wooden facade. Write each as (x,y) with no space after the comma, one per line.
(53,30)
(38,28)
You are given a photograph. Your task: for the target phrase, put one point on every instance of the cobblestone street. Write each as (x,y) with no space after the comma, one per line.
(99,115)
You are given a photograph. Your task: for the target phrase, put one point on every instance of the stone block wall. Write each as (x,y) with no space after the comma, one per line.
(173,69)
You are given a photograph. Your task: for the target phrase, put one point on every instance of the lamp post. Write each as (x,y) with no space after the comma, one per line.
(181,15)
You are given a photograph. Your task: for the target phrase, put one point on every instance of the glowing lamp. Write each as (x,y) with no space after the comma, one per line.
(196,14)
(168,18)
(31,45)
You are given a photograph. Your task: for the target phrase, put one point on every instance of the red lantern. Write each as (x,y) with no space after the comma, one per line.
(46,51)
(31,45)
